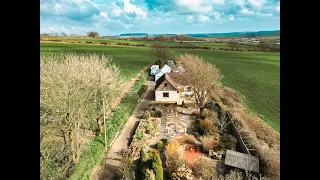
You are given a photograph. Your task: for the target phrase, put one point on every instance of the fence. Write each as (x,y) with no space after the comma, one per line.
(235,132)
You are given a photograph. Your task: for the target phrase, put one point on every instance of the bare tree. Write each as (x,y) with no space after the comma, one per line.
(63,34)
(202,76)
(233,44)
(161,53)
(71,90)
(269,44)
(93,34)
(125,171)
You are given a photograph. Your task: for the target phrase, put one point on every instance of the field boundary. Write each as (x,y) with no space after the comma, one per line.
(147,46)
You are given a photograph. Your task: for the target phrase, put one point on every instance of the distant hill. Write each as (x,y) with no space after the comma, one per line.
(258,33)
(134,34)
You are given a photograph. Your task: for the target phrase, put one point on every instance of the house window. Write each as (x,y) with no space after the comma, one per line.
(165,84)
(165,94)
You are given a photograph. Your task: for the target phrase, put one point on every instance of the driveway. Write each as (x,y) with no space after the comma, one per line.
(111,163)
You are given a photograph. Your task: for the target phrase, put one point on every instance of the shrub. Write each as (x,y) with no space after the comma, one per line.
(153,151)
(160,145)
(205,112)
(182,173)
(191,155)
(204,168)
(232,175)
(207,126)
(125,170)
(157,114)
(196,126)
(209,113)
(149,175)
(209,142)
(228,141)
(187,139)
(157,166)
(165,141)
(173,156)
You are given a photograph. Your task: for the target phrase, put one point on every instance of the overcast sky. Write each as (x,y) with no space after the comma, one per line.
(158,16)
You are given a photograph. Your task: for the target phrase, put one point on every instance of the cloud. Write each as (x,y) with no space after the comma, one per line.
(216,15)
(256,3)
(130,8)
(231,18)
(161,16)
(263,14)
(194,6)
(246,11)
(239,2)
(190,18)
(203,18)
(105,15)
(116,10)
(69,9)
(277,9)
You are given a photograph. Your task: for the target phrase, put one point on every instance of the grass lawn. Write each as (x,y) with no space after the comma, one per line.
(256,75)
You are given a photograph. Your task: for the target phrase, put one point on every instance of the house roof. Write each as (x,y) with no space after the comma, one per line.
(154,66)
(166,69)
(177,79)
(242,161)
(159,81)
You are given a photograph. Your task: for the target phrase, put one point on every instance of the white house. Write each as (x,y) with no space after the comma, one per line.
(165,69)
(154,69)
(171,86)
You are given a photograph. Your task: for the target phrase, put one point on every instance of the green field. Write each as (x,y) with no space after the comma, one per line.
(255,75)
(224,45)
(271,36)
(130,60)
(107,40)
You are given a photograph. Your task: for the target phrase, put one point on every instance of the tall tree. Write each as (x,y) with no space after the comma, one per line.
(71,89)
(161,53)
(202,76)
(93,34)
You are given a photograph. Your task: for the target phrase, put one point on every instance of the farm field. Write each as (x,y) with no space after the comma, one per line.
(271,36)
(130,62)
(105,40)
(223,45)
(255,75)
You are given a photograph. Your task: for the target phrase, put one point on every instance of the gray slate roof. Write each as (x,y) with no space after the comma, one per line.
(242,161)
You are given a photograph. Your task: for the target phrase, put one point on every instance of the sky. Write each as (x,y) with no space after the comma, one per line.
(158,16)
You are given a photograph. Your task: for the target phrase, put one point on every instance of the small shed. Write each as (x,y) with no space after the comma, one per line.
(170,62)
(242,161)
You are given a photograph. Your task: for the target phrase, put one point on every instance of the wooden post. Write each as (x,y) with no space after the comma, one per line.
(104,126)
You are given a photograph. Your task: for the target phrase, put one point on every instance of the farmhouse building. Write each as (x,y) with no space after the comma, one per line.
(171,87)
